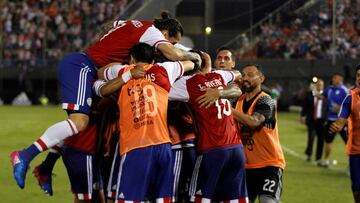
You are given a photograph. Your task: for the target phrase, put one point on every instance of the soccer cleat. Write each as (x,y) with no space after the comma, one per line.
(323,164)
(44,179)
(20,168)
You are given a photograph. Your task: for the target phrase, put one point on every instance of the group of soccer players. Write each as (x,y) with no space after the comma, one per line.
(188,150)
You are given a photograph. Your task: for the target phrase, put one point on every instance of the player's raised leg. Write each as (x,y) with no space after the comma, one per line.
(76,72)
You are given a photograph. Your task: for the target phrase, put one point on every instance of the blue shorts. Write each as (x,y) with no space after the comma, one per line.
(183,161)
(354,162)
(76,73)
(219,175)
(146,174)
(83,173)
(114,173)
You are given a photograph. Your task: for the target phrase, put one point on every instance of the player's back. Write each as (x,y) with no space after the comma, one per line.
(216,123)
(143,107)
(115,45)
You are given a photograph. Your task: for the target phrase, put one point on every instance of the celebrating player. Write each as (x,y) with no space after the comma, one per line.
(256,114)
(218,141)
(144,142)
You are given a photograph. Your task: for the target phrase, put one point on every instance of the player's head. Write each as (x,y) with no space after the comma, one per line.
(142,52)
(357,75)
(252,77)
(337,79)
(206,62)
(170,27)
(224,59)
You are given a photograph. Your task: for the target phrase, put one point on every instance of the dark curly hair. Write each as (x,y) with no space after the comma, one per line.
(143,52)
(172,25)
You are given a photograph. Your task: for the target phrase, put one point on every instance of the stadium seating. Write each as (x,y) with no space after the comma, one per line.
(67,25)
(307,35)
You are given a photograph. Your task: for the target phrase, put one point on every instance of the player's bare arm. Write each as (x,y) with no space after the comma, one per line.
(212,95)
(175,54)
(187,65)
(252,121)
(105,89)
(338,125)
(100,73)
(237,75)
(207,61)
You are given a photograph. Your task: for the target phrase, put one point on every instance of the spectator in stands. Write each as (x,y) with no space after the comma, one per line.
(308,35)
(61,26)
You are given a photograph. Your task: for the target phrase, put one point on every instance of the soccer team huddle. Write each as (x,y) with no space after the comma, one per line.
(150,120)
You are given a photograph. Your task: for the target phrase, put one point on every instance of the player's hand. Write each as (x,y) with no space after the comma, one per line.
(138,72)
(335,108)
(198,60)
(334,127)
(208,98)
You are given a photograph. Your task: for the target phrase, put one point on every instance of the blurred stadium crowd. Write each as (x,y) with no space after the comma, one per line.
(67,25)
(307,35)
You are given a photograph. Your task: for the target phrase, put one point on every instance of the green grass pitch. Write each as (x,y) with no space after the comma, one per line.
(303,182)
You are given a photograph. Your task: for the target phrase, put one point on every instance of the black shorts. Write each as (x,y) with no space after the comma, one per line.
(329,137)
(264,181)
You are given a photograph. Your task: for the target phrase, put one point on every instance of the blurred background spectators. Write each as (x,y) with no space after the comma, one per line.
(307,35)
(67,26)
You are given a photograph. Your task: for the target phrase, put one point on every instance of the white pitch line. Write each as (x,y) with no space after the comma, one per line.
(292,152)
(297,155)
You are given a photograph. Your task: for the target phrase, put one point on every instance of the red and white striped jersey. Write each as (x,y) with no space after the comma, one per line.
(115,45)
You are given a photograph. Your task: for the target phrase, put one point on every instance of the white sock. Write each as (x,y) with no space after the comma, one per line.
(56,133)
(57,148)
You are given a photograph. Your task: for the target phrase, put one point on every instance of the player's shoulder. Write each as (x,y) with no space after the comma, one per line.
(265,99)
(344,88)
(185,78)
(218,72)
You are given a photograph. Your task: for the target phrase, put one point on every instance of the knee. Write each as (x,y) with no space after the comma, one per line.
(80,120)
(267,199)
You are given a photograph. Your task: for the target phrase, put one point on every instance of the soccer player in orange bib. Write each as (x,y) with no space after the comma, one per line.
(257,124)
(350,111)
(146,171)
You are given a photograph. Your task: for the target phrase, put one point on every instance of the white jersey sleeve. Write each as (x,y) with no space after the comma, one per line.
(228,76)
(178,91)
(153,37)
(98,84)
(112,71)
(174,70)
(182,47)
